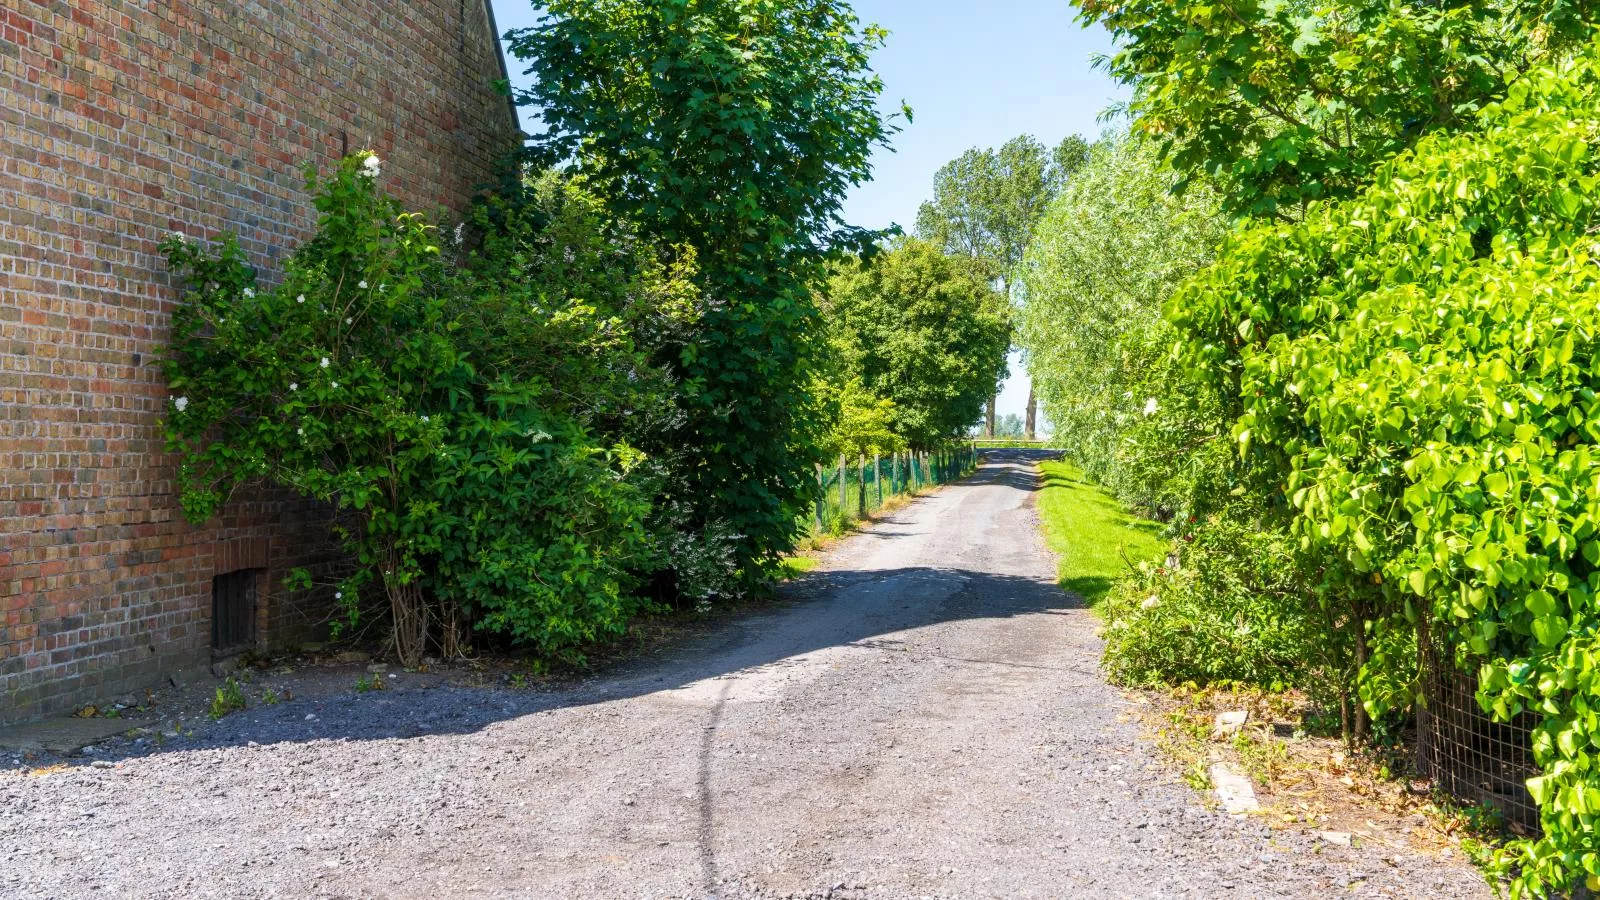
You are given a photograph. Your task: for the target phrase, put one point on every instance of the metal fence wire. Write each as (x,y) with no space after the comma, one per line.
(1467,753)
(853,488)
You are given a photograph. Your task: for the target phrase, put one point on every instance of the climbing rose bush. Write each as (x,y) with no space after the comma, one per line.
(374,377)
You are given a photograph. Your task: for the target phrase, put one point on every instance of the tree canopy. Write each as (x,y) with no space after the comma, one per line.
(1288,101)
(1108,254)
(924,330)
(986,203)
(732,127)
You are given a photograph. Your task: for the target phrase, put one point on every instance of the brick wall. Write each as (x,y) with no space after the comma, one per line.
(121,121)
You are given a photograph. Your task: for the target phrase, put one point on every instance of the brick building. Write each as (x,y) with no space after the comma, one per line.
(121,121)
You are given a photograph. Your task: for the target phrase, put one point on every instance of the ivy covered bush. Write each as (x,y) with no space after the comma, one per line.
(1416,371)
(429,402)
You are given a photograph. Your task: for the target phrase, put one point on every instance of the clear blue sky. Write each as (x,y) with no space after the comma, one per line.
(977,73)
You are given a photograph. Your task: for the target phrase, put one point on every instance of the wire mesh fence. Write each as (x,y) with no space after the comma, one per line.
(1466,752)
(853,489)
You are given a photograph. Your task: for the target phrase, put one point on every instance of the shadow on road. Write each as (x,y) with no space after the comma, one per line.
(867,609)
(826,609)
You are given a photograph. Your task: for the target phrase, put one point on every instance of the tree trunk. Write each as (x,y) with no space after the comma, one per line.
(408,608)
(1033,414)
(988,419)
(1363,728)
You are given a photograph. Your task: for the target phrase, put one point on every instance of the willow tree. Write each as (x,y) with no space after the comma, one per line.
(1110,251)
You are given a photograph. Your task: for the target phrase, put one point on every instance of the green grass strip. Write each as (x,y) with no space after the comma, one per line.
(1094,534)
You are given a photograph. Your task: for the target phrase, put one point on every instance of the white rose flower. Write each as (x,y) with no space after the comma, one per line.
(300,299)
(294,385)
(249,293)
(363,284)
(324,362)
(372,166)
(349,321)
(182,403)
(334,385)
(1150,602)
(1150,406)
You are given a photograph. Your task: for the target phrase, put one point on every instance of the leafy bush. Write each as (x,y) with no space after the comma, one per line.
(375,377)
(924,331)
(1417,370)
(860,423)
(1232,611)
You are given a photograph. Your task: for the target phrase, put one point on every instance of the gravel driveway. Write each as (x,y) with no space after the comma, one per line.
(927,720)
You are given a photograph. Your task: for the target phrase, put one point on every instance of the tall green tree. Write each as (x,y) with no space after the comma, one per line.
(735,128)
(986,204)
(925,331)
(1108,254)
(1287,101)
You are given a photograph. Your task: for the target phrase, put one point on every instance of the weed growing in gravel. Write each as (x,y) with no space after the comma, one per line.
(365,684)
(269,697)
(229,699)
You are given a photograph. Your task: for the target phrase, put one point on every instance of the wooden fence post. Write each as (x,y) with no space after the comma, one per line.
(861,484)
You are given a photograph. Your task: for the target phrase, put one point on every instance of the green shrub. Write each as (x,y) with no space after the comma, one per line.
(1232,611)
(1418,371)
(378,378)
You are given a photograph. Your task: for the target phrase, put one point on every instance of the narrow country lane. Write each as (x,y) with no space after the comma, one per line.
(927,720)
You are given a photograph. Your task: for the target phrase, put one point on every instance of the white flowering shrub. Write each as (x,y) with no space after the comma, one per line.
(421,398)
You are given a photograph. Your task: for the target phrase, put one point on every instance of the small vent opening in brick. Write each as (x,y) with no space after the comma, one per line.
(233,612)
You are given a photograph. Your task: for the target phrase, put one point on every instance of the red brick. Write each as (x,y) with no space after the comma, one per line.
(122,122)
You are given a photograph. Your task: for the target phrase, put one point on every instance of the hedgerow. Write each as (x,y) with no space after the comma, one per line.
(1416,372)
